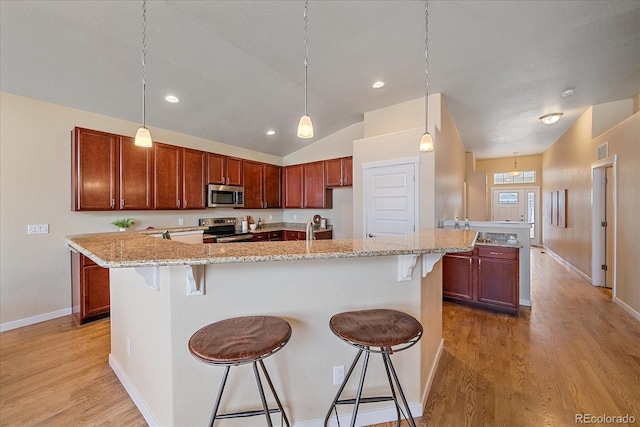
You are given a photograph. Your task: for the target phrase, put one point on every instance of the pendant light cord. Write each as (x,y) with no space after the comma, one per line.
(144,61)
(426,69)
(306,51)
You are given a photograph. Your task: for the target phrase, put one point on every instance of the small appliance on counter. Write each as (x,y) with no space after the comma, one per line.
(223,230)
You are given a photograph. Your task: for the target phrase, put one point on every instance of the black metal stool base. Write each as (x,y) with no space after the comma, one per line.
(266,411)
(394,386)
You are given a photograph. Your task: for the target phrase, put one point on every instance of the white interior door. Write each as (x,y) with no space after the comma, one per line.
(390,200)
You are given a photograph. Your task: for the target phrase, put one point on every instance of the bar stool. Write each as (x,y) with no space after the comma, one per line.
(381,328)
(239,341)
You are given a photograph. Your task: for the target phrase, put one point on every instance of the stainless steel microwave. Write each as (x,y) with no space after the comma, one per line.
(225,196)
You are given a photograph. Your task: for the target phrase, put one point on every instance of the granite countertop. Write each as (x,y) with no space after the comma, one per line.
(503,240)
(133,249)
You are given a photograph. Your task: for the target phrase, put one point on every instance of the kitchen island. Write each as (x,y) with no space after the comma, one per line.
(162,291)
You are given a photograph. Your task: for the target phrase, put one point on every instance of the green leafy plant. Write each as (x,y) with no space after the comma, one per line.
(124,223)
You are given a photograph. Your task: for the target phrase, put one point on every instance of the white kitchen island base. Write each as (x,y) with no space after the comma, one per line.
(150,330)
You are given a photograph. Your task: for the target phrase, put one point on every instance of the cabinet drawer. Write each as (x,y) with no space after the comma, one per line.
(275,235)
(290,235)
(497,252)
(260,237)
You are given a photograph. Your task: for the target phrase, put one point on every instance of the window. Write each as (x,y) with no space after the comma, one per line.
(526,177)
(508,198)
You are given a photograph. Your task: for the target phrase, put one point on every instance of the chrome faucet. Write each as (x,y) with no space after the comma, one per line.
(309,232)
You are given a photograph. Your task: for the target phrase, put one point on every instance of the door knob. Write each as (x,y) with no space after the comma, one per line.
(371,235)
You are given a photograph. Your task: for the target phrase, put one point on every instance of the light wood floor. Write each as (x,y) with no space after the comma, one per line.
(575,352)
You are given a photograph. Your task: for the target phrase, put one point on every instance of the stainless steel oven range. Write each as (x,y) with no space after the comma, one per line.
(223,230)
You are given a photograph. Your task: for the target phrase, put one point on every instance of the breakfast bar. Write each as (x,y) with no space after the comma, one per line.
(162,291)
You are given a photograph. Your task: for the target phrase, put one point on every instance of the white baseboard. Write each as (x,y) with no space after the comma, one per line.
(133,393)
(627,308)
(525,302)
(364,418)
(567,264)
(33,320)
(432,373)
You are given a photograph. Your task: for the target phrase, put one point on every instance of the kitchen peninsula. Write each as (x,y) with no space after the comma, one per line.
(162,291)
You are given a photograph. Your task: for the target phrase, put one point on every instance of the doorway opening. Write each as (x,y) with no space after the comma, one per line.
(518,204)
(604,224)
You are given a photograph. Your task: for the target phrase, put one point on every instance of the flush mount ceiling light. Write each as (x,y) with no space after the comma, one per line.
(305,127)
(426,142)
(515,171)
(378,85)
(172,99)
(550,119)
(143,136)
(271,132)
(567,92)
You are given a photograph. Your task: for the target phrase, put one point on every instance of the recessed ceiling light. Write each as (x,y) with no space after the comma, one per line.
(567,92)
(271,132)
(377,85)
(172,99)
(550,119)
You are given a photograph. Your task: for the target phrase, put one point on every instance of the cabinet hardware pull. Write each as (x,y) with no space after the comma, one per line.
(469,262)
(497,253)
(113,203)
(178,203)
(265,205)
(479,262)
(122,203)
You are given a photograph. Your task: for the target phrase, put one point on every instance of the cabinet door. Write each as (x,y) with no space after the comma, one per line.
(333,172)
(498,282)
(314,189)
(457,276)
(260,237)
(167,176)
(253,184)
(194,179)
(347,171)
(272,186)
(234,171)
(136,175)
(215,169)
(95,170)
(290,235)
(293,187)
(95,292)
(324,235)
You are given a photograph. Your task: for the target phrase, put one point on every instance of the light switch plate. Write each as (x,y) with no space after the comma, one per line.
(38,229)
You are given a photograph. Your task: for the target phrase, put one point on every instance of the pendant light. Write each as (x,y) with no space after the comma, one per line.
(305,127)
(515,171)
(426,142)
(143,136)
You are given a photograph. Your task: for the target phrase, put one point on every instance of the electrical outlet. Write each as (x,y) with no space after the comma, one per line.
(128,347)
(295,217)
(338,375)
(270,217)
(38,229)
(180,221)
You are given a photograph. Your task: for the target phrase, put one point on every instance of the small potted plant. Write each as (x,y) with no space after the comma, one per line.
(124,223)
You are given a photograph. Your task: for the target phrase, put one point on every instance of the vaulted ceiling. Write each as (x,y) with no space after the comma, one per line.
(237,66)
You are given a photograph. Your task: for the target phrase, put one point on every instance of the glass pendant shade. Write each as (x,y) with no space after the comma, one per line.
(143,137)
(515,172)
(426,142)
(305,127)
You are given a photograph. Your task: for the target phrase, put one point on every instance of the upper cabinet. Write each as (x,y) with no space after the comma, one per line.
(95,170)
(339,172)
(261,185)
(194,179)
(304,187)
(136,175)
(224,170)
(168,167)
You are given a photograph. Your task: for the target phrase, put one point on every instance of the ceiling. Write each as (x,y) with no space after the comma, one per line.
(237,66)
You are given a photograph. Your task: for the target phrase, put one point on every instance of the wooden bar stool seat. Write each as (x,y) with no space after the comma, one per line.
(238,341)
(380,331)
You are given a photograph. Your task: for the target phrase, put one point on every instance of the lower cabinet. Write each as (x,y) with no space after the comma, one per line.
(488,277)
(89,289)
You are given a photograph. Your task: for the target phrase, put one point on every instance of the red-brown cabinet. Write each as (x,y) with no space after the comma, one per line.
(488,277)
(89,289)
(304,187)
(168,173)
(262,184)
(339,172)
(194,179)
(136,175)
(224,170)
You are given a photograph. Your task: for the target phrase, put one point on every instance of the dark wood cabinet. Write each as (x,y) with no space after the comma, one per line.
(194,179)
(302,235)
(304,187)
(94,170)
(261,185)
(260,237)
(224,170)
(136,175)
(339,172)
(89,289)
(275,236)
(167,178)
(488,277)
(323,235)
(293,183)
